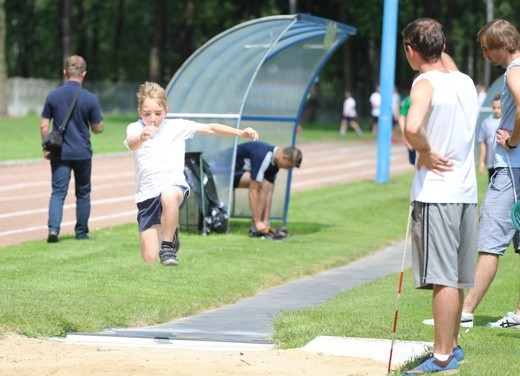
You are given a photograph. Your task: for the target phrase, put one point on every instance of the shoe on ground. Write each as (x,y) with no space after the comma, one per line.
(510,320)
(283,232)
(432,365)
(53,237)
(459,354)
(466,320)
(84,237)
(168,256)
(265,235)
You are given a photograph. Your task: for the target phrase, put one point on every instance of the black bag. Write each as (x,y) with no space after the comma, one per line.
(54,140)
(213,216)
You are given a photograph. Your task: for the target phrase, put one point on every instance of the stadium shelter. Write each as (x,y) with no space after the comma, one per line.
(255,74)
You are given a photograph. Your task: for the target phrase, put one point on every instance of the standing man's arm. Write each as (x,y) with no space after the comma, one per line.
(448,62)
(420,99)
(44,131)
(482,160)
(97,127)
(513,82)
(44,127)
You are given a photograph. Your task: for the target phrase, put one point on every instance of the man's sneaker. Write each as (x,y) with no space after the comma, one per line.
(459,354)
(282,232)
(466,320)
(266,235)
(432,365)
(168,256)
(53,237)
(508,321)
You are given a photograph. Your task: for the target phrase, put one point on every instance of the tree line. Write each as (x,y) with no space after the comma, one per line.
(134,41)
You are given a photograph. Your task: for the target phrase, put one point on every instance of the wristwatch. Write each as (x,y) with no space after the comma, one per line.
(510,146)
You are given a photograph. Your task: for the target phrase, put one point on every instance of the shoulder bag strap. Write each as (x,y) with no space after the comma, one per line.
(69,112)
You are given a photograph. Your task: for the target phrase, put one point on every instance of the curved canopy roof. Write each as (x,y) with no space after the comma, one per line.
(256,74)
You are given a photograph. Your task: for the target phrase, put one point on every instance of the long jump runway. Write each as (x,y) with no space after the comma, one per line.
(25,187)
(246,325)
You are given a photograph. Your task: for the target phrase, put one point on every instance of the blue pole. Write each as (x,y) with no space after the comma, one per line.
(386,83)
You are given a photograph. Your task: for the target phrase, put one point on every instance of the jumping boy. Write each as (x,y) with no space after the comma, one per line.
(161,188)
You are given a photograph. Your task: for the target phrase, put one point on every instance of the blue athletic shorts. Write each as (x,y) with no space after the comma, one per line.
(496,228)
(149,211)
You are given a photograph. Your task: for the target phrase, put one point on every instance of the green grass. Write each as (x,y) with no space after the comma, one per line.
(368,312)
(25,142)
(51,289)
(323,131)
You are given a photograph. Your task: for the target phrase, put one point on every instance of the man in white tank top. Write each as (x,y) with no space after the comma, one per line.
(440,126)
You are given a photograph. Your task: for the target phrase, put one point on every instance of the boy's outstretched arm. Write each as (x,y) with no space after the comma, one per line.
(225,130)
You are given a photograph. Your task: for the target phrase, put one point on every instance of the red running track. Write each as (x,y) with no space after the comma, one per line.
(25,188)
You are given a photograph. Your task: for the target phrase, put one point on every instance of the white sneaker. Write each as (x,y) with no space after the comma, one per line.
(510,320)
(466,320)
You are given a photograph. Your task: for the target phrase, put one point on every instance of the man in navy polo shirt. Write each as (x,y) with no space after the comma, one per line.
(76,152)
(256,166)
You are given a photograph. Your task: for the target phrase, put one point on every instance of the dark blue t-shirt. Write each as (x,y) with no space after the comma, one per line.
(76,138)
(256,157)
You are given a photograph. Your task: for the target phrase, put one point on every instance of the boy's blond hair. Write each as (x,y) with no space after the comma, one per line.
(153,91)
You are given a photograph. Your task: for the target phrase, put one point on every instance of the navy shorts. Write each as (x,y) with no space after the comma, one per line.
(149,211)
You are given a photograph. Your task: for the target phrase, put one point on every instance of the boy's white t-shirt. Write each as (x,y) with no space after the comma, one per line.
(159,162)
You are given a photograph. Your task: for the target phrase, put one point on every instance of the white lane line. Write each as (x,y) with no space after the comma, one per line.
(46,182)
(69,223)
(98,187)
(104,201)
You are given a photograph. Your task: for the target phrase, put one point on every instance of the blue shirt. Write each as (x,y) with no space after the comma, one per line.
(503,157)
(76,138)
(256,157)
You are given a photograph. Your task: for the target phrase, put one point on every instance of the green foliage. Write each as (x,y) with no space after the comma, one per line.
(118,38)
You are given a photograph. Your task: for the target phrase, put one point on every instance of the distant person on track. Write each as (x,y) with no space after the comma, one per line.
(349,116)
(75,155)
(375,108)
(161,188)
(486,139)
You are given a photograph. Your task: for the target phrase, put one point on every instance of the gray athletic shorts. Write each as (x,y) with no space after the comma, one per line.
(496,229)
(444,244)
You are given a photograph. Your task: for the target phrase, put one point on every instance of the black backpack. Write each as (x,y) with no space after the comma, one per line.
(212,212)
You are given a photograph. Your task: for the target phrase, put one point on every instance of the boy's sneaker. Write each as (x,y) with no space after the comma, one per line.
(508,321)
(459,354)
(168,256)
(466,320)
(432,365)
